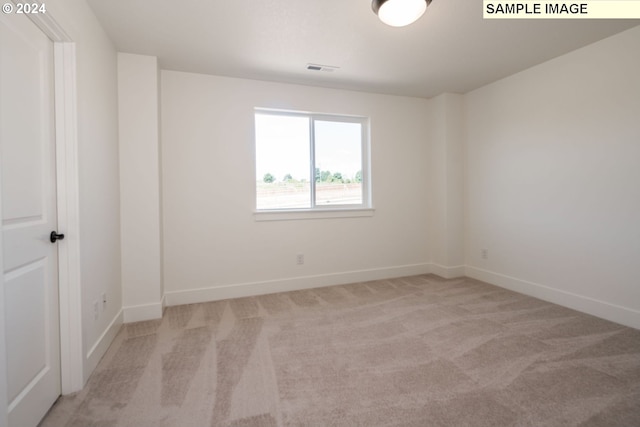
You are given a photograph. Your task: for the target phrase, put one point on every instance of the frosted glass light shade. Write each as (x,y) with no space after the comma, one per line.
(399,13)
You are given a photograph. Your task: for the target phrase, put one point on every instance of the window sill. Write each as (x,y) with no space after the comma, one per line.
(290,215)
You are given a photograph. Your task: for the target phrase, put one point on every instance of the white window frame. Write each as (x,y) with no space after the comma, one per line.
(364,209)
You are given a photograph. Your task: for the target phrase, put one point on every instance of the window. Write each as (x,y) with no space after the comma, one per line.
(310,161)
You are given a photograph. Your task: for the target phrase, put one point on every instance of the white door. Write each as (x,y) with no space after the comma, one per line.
(30,280)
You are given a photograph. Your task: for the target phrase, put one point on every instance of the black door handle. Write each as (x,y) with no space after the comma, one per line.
(55,236)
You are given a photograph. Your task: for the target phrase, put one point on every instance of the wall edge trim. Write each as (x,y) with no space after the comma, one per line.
(292,284)
(605,310)
(102,345)
(139,313)
(449,272)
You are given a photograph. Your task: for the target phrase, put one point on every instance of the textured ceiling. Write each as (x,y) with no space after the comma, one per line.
(450,49)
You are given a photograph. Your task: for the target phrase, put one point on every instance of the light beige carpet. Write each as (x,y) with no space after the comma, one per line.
(414,351)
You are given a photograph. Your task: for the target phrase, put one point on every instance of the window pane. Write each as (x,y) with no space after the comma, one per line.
(338,163)
(282,162)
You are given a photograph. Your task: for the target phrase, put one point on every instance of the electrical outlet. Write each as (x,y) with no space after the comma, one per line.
(300,259)
(484,253)
(96,310)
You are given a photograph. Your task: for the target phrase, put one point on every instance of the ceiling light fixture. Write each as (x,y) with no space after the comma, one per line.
(399,13)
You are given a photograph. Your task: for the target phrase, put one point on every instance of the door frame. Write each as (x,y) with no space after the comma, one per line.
(69,278)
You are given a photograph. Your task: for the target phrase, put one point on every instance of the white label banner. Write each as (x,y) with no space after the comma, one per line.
(587,9)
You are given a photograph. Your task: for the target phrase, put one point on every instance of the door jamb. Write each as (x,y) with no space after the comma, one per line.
(69,279)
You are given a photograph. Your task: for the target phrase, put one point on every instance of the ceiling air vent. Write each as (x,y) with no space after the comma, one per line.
(320,67)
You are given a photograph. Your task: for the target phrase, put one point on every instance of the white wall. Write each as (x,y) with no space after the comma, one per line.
(553,180)
(447,185)
(99,194)
(4,400)
(140,186)
(211,240)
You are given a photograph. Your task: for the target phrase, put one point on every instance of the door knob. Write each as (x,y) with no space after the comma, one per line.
(55,236)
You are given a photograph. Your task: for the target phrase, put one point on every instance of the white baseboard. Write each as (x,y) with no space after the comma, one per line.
(615,313)
(138,313)
(448,272)
(193,296)
(102,344)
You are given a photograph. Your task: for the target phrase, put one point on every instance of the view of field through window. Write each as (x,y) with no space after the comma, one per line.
(285,167)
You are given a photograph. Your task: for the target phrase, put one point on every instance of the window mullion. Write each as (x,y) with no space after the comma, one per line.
(312,151)
(364,163)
